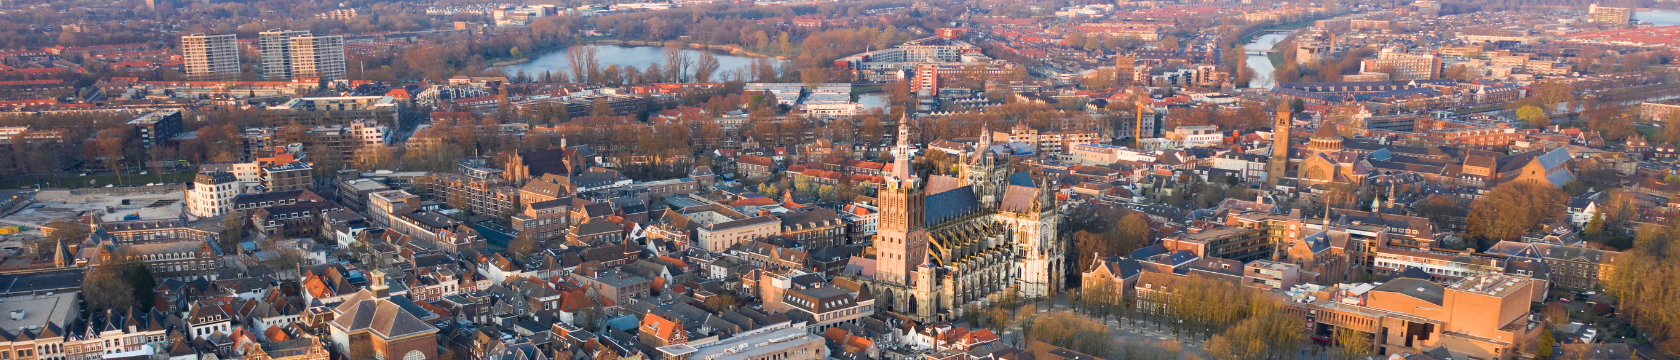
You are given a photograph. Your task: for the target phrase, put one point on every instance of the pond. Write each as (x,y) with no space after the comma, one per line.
(638,56)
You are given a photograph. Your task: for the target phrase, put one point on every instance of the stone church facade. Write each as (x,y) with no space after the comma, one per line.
(947,243)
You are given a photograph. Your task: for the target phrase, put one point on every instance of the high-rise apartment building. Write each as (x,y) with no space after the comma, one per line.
(299,54)
(277,53)
(1609,15)
(318,57)
(210,55)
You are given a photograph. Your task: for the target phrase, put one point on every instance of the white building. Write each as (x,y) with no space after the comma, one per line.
(211,194)
(317,57)
(210,55)
(277,53)
(1104,154)
(786,93)
(1198,136)
(831,100)
(370,132)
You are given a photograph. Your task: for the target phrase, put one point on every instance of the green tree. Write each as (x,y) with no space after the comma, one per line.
(1545,343)
(1596,225)
(1534,116)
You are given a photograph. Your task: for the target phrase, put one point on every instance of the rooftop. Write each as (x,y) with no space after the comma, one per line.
(751,345)
(36,311)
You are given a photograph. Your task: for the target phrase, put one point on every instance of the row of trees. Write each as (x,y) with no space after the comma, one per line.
(1237,322)
(1643,279)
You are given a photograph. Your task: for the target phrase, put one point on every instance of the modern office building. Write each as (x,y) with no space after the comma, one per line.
(210,55)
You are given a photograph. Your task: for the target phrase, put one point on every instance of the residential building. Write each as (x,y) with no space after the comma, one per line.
(1225,242)
(155,128)
(210,56)
(277,52)
(211,194)
(1609,15)
(320,57)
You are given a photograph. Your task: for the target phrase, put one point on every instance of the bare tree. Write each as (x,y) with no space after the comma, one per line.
(678,63)
(582,62)
(705,67)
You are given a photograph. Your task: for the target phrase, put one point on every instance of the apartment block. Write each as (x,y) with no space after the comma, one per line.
(1609,15)
(156,127)
(277,53)
(210,55)
(318,57)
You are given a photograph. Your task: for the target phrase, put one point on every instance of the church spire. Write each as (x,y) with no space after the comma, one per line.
(902,153)
(61,255)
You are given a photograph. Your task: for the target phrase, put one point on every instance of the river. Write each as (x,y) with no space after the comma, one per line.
(1262,65)
(638,56)
(1658,17)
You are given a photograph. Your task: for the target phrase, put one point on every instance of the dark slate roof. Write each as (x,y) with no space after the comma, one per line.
(1022,179)
(1411,272)
(551,161)
(1147,251)
(1420,289)
(950,205)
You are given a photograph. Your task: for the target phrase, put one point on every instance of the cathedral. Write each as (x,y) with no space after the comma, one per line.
(946,243)
(1322,161)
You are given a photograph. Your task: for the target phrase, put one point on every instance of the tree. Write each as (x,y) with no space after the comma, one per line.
(1069,330)
(1513,208)
(71,232)
(1534,116)
(812,76)
(1351,345)
(1267,336)
(705,67)
(678,62)
(1438,208)
(1170,43)
(522,246)
(720,303)
(1643,279)
(110,146)
(1595,226)
(582,62)
(106,287)
(1545,343)
(785,43)
(121,282)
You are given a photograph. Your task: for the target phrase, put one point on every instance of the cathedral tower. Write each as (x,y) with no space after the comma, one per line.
(902,243)
(1280,146)
(985,171)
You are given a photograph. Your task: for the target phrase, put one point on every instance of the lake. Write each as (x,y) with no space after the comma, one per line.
(1658,17)
(1263,70)
(638,56)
